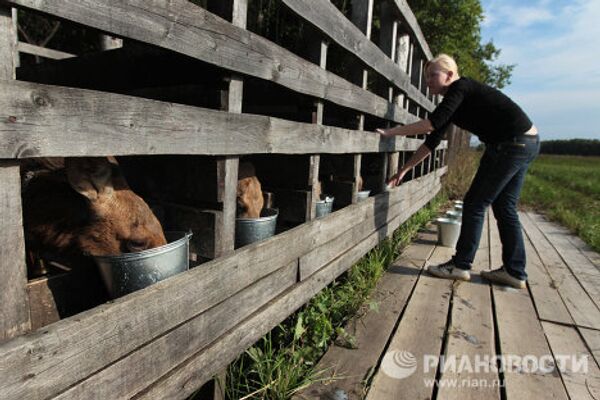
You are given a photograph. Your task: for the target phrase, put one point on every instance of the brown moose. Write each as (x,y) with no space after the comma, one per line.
(86,207)
(249,192)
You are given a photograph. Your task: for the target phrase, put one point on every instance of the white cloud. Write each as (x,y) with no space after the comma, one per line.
(557,79)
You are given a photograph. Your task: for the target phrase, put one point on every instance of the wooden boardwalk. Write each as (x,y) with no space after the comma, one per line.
(436,339)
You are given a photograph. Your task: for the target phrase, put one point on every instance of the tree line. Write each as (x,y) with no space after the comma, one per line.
(576,147)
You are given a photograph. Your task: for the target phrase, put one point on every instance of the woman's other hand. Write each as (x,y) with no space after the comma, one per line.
(385,132)
(396,179)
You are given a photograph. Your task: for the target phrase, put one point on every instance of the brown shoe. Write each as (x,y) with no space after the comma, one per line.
(502,277)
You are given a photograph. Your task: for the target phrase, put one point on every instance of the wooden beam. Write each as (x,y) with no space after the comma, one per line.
(409,20)
(188,29)
(70,350)
(178,383)
(45,121)
(14,304)
(27,48)
(354,37)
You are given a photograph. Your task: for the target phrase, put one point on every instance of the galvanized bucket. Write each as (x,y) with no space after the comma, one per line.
(454,214)
(126,273)
(448,231)
(362,195)
(250,230)
(324,207)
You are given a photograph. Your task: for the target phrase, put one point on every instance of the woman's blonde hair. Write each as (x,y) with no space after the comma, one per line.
(446,62)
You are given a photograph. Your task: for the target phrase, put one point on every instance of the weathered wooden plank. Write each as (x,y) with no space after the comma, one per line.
(545,295)
(520,334)
(14,304)
(592,340)
(327,18)
(582,309)
(46,121)
(14,307)
(582,268)
(426,312)
(579,372)
(131,374)
(227,177)
(28,48)
(74,348)
(322,255)
(180,382)
(409,20)
(371,330)
(187,29)
(586,249)
(471,336)
(8,43)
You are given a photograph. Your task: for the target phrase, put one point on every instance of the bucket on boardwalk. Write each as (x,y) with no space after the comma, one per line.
(126,273)
(454,214)
(448,231)
(250,230)
(324,207)
(362,195)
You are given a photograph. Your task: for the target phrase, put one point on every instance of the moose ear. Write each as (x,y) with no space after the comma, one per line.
(90,176)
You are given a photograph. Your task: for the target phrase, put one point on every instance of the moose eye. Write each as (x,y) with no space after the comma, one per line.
(136,245)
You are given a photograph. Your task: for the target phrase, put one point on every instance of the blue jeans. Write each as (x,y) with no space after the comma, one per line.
(498,182)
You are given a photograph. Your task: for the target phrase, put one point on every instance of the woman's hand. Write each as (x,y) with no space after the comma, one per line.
(385,132)
(396,179)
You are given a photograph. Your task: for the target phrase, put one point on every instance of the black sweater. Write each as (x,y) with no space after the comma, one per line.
(480,109)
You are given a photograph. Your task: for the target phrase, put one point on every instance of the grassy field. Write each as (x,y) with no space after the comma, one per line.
(567,190)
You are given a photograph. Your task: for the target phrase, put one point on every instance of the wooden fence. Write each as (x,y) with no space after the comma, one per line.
(167,340)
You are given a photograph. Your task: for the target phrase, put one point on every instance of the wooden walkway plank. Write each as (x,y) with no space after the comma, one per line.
(548,302)
(592,339)
(372,330)
(582,309)
(419,334)
(520,334)
(586,249)
(471,336)
(581,381)
(581,267)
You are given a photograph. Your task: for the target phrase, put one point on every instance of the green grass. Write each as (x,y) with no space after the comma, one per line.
(567,190)
(284,361)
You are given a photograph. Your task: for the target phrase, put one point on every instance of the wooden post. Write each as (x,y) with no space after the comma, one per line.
(319,56)
(388,42)
(14,303)
(362,17)
(227,167)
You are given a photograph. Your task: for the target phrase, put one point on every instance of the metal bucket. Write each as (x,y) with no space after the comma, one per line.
(362,195)
(250,230)
(448,231)
(454,214)
(324,207)
(126,273)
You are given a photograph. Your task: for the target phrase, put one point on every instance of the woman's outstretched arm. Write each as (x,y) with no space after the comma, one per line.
(416,128)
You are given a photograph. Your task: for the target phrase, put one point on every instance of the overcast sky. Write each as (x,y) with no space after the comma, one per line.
(556,46)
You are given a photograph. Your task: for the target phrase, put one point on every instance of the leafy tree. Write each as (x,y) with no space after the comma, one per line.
(454,27)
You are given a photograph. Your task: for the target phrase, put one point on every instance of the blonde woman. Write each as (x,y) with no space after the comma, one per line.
(511,144)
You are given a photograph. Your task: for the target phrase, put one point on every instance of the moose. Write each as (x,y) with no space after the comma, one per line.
(249,192)
(75,206)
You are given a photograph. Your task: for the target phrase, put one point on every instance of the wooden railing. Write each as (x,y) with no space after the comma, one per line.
(168,339)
